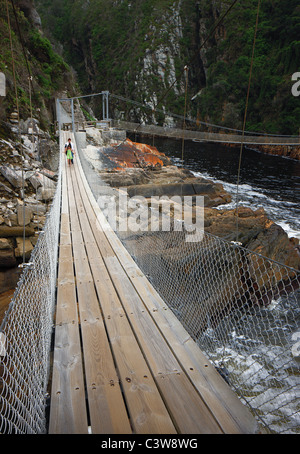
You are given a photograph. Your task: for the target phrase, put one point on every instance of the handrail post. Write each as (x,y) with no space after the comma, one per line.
(72,109)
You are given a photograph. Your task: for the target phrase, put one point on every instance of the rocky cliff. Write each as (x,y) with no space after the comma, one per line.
(35,74)
(139,50)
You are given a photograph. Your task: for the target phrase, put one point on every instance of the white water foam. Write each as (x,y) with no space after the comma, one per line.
(282,212)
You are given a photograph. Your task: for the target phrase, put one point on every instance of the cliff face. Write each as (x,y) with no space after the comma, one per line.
(138,50)
(32,58)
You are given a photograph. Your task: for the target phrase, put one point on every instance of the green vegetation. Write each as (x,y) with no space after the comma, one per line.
(107,41)
(33,56)
(272,108)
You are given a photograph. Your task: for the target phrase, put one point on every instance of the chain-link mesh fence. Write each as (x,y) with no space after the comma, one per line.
(25,335)
(241,308)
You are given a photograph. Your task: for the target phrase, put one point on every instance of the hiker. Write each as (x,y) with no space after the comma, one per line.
(70,154)
(72,148)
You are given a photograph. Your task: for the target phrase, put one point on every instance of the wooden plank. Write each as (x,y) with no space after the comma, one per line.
(104,393)
(163,362)
(221,399)
(160,358)
(102,384)
(145,405)
(232,416)
(68,413)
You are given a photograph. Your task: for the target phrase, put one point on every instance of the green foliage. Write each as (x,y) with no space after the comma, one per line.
(272,108)
(32,55)
(106,41)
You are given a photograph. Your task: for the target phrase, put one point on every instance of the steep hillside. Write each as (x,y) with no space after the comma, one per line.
(32,58)
(138,50)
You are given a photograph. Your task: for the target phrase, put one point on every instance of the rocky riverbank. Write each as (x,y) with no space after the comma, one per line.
(146,172)
(236,277)
(286,151)
(27,184)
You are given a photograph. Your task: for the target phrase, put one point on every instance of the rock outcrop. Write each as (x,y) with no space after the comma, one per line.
(287,151)
(26,189)
(252,228)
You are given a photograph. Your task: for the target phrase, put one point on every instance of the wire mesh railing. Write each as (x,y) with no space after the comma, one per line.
(243,309)
(25,335)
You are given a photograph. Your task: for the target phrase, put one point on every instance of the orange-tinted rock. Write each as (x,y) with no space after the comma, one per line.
(131,154)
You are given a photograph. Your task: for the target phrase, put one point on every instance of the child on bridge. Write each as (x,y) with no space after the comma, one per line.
(70,154)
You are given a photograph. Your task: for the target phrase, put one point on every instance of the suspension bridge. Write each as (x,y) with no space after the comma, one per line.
(109,337)
(197,131)
(139,368)
(158,337)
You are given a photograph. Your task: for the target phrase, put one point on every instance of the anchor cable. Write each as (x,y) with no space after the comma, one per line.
(244,122)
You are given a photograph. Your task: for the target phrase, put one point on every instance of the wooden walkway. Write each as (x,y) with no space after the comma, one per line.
(123,364)
(213,137)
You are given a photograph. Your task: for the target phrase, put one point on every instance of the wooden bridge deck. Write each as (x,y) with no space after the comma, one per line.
(123,364)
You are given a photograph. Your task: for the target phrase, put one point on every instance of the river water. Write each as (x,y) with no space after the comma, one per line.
(271,182)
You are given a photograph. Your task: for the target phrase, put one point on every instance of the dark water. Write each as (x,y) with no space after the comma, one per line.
(271,182)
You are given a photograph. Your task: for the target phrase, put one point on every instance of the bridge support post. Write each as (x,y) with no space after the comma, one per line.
(72,110)
(58,118)
(105,105)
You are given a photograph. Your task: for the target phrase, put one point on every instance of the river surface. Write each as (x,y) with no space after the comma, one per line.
(271,182)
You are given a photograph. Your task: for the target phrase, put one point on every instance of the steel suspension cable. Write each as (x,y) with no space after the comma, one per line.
(244,121)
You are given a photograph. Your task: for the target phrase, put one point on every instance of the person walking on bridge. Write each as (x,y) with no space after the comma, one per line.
(70,154)
(72,148)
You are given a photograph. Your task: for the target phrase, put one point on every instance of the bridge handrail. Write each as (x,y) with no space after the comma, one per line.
(240,306)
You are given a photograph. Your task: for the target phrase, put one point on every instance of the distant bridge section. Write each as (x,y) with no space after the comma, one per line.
(200,136)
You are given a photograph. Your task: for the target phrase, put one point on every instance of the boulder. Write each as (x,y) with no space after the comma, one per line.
(45,194)
(34,180)
(129,154)
(14,177)
(49,154)
(24,214)
(27,246)
(7,256)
